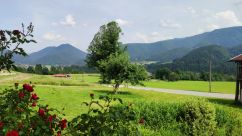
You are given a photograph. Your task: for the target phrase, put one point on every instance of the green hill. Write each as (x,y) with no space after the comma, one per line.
(169,50)
(64,54)
(198,61)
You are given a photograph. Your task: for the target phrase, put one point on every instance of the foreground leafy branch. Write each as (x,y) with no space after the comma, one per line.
(10,41)
(103,118)
(20,114)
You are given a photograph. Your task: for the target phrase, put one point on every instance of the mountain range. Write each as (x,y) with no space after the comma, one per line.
(198,60)
(189,53)
(64,54)
(168,50)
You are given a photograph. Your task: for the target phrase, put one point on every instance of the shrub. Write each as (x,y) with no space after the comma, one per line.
(157,115)
(197,118)
(104,119)
(159,118)
(162,74)
(173,76)
(20,114)
(228,123)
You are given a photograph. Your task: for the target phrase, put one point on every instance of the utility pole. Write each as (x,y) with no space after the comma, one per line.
(83,77)
(210,73)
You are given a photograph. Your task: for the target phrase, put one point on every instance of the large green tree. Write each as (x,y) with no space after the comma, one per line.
(119,69)
(104,43)
(10,41)
(109,57)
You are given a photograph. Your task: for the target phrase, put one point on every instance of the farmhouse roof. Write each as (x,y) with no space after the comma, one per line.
(237,58)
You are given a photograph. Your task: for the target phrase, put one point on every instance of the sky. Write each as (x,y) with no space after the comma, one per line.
(142,21)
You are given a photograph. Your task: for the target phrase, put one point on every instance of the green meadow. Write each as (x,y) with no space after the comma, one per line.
(203,86)
(68,94)
(88,79)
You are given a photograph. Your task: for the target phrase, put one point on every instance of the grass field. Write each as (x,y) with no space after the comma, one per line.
(70,93)
(67,95)
(218,87)
(89,79)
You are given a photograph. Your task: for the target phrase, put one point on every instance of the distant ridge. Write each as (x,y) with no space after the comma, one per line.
(64,54)
(197,60)
(168,50)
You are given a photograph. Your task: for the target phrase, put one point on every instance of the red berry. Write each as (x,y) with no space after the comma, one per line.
(28,88)
(141,121)
(12,133)
(1,125)
(16,32)
(41,112)
(33,104)
(34,97)
(63,124)
(21,95)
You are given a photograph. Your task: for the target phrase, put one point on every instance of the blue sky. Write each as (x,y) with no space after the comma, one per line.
(76,21)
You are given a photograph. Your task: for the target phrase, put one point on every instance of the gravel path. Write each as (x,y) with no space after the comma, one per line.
(194,93)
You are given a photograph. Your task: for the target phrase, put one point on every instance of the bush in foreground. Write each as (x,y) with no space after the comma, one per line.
(103,119)
(20,114)
(197,118)
(228,122)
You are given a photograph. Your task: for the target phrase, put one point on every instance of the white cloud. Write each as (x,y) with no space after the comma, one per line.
(153,37)
(169,24)
(68,21)
(54,23)
(191,10)
(122,22)
(228,17)
(53,37)
(213,26)
(85,25)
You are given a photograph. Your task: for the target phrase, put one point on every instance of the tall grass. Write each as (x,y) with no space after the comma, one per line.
(162,119)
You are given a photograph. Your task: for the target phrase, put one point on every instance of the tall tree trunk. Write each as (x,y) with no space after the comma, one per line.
(115,88)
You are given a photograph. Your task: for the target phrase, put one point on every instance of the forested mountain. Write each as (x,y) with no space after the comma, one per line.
(236,50)
(198,60)
(169,50)
(190,53)
(65,54)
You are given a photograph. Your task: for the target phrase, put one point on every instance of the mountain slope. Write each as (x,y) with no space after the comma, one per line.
(198,59)
(226,37)
(234,51)
(64,54)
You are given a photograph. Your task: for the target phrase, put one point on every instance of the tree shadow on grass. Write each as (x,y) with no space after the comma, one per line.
(111,92)
(225,102)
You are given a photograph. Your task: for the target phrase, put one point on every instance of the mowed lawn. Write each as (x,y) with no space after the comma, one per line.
(69,99)
(90,79)
(218,87)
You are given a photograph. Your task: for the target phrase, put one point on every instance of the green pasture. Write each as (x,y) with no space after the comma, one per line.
(70,98)
(68,94)
(90,79)
(218,87)
(74,80)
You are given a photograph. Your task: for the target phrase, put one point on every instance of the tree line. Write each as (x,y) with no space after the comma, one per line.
(169,75)
(44,70)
